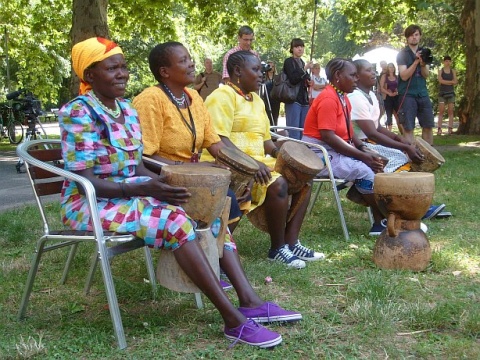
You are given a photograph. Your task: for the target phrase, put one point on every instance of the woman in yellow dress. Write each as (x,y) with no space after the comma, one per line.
(239,117)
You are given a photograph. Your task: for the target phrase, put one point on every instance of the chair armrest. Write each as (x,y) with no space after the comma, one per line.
(22,151)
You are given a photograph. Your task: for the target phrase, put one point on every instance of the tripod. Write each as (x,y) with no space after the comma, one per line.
(32,134)
(263,93)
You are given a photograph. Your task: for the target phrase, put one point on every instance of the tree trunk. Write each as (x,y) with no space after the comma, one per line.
(89,18)
(469,112)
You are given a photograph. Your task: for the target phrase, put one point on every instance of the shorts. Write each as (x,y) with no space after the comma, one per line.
(449,100)
(416,107)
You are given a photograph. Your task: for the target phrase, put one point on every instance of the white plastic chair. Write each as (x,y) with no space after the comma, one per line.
(335,184)
(44,167)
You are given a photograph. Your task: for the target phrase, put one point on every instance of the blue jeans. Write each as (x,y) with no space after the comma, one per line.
(295,116)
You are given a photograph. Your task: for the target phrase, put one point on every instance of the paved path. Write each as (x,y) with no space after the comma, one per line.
(15,189)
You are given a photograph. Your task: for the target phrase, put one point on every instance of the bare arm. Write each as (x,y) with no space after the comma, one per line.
(389,139)
(407,73)
(263,174)
(153,187)
(442,81)
(342,147)
(455,80)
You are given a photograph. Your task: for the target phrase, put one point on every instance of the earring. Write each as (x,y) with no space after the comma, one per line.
(238,81)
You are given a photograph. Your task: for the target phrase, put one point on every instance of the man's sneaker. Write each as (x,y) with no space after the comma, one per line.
(378,228)
(225,285)
(253,334)
(304,253)
(443,215)
(285,255)
(433,210)
(270,312)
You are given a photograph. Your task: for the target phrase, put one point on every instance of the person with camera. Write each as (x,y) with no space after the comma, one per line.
(447,77)
(273,105)
(297,73)
(413,66)
(208,80)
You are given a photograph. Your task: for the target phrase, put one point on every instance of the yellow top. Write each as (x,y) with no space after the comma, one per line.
(165,133)
(246,124)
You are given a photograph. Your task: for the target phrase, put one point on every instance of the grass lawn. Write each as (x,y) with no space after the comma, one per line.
(351,308)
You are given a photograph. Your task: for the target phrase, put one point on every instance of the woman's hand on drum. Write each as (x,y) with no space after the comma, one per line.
(171,194)
(263,174)
(373,161)
(246,194)
(415,154)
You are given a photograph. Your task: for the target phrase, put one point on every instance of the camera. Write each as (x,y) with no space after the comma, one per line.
(265,67)
(426,55)
(28,104)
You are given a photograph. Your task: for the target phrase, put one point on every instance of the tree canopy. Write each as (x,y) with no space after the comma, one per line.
(40,33)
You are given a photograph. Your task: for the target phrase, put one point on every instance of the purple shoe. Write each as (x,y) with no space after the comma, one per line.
(253,334)
(225,285)
(270,312)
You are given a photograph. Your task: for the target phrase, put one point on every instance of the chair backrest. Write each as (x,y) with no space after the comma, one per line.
(40,156)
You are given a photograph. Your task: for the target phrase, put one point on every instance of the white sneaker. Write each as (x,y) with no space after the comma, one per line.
(285,255)
(306,254)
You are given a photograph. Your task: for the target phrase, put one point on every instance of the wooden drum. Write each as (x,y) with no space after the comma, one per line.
(208,186)
(242,166)
(297,164)
(432,158)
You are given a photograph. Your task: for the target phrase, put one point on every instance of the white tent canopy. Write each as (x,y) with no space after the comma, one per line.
(376,55)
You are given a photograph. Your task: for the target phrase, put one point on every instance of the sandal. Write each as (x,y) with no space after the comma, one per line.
(439,131)
(450,131)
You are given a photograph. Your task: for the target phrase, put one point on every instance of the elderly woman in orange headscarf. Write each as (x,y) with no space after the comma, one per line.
(102,141)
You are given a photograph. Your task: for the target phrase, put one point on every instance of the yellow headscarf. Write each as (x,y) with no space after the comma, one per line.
(90,51)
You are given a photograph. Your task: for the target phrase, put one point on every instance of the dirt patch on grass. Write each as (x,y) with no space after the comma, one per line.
(460,147)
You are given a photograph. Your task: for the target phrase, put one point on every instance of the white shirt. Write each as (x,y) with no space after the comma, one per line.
(363,110)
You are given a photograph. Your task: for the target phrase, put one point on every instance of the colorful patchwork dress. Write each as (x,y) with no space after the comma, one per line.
(91,139)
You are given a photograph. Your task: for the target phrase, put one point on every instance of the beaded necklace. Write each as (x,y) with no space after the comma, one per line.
(179,101)
(113,113)
(247,97)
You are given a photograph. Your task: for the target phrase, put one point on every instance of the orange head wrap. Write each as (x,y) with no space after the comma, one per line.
(90,51)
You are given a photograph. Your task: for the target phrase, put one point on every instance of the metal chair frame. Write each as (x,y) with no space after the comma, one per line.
(43,162)
(336,184)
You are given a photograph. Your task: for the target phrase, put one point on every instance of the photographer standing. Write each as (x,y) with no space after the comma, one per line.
(414,101)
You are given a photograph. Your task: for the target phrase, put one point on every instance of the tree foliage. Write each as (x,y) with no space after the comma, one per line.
(41,32)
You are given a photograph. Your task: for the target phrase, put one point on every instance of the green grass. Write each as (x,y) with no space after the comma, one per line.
(351,308)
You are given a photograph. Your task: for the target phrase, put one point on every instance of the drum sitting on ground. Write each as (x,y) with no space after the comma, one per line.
(242,166)
(297,164)
(208,186)
(432,158)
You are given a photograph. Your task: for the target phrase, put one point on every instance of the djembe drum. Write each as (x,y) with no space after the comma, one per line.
(298,165)
(208,186)
(432,158)
(403,198)
(242,167)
